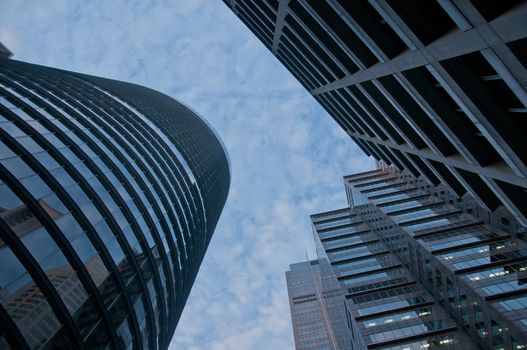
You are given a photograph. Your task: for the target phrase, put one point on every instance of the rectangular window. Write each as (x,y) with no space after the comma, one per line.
(503,287)
(492,258)
(396,197)
(390,306)
(406,331)
(356,252)
(419,214)
(413,204)
(375,184)
(339,222)
(514,304)
(341,231)
(496,272)
(440,340)
(361,262)
(373,276)
(398,317)
(347,241)
(463,241)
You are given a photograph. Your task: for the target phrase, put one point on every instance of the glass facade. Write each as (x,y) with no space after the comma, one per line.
(311,328)
(109,195)
(418,85)
(384,301)
(423,269)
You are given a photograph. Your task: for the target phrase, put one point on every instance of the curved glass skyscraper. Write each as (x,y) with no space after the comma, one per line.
(109,195)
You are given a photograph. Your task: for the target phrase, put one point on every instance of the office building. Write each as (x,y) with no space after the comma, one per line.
(420,268)
(436,87)
(313,328)
(109,196)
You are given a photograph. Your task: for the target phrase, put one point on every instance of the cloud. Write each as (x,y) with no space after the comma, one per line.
(288,156)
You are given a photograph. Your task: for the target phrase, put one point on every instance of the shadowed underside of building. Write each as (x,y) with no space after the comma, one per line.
(438,88)
(109,195)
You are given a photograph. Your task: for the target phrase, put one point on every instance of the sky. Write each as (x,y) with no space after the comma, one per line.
(287,155)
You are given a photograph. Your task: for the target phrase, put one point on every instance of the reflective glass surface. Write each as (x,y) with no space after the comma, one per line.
(334,223)
(402,206)
(398,317)
(347,241)
(434,342)
(389,306)
(406,331)
(514,304)
(372,276)
(365,264)
(109,194)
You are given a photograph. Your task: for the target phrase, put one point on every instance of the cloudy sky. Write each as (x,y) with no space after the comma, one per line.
(287,155)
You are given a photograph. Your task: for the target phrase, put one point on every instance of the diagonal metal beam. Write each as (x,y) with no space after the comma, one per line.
(233,7)
(279,25)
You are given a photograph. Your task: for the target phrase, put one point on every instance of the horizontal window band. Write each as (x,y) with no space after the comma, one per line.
(392,311)
(356,294)
(394,185)
(350,246)
(448,229)
(414,337)
(365,273)
(497,263)
(384,195)
(505,295)
(400,201)
(468,245)
(409,210)
(324,230)
(345,261)
(430,218)
(388,179)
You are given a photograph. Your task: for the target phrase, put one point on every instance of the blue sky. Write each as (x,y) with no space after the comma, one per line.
(287,155)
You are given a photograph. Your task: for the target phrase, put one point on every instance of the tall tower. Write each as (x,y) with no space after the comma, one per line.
(312,328)
(109,196)
(420,268)
(436,87)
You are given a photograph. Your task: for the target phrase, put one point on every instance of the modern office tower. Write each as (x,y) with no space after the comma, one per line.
(436,87)
(420,268)
(109,195)
(5,52)
(311,322)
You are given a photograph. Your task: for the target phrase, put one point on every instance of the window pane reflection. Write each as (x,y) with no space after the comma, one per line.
(24,302)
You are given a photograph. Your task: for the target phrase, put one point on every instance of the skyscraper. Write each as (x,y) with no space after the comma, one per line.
(421,268)
(109,195)
(311,324)
(436,87)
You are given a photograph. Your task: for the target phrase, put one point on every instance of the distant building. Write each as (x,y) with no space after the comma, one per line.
(311,324)
(438,88)
(4,52)
(109,195)
(419,268)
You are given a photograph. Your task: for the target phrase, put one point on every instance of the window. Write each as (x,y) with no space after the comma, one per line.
(477,250)
(373,276)
(439,341)
(361,262)
(496,272)
(390,306)
(406,331)
(402,316)
(514,304)
(490,259)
